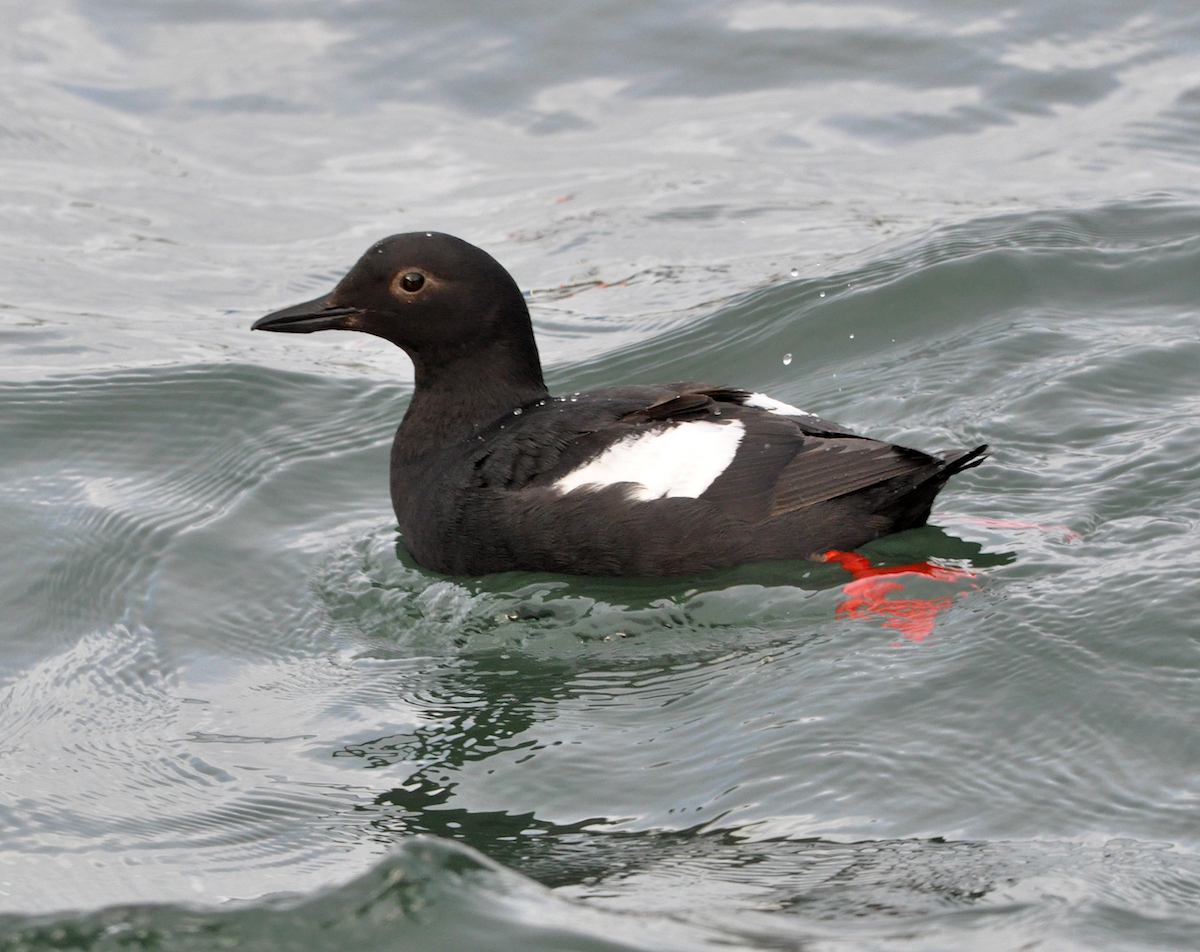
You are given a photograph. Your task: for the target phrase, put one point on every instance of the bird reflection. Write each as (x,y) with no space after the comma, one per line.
(496,702)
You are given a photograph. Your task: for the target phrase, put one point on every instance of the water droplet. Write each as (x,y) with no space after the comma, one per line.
(572,399)
(787,359)
(518,411)
(795,273)
(822,294)
(852,337)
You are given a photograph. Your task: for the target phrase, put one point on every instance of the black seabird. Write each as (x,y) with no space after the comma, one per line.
(490,473)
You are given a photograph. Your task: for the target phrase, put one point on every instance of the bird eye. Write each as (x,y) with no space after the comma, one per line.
(413,281)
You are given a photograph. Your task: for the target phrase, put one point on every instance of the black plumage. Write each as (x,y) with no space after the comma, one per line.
(477,457)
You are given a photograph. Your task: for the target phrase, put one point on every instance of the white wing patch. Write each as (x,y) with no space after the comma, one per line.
(763,402)
(679,460)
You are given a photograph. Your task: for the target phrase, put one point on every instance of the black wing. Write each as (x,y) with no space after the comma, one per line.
(784,463)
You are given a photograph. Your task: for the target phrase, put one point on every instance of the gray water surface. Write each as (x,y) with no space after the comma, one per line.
(234,713)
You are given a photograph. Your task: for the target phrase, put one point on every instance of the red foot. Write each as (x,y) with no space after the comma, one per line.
(1068,533)
(867,593)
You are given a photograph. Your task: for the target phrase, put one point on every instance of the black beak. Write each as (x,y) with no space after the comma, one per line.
(320,314)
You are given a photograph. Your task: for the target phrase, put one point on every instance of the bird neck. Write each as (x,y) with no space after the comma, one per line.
(458,394)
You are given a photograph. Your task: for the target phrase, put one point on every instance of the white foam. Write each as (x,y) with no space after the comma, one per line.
(763,402)
(678,460)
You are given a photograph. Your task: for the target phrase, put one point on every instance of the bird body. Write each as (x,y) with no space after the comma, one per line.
(491,473)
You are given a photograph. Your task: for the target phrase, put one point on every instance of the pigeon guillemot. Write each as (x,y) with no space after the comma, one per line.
(490,473)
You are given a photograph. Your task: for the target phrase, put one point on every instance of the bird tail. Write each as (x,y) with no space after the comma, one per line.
(912,509)
(964,459)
